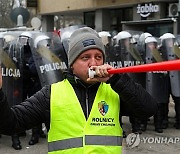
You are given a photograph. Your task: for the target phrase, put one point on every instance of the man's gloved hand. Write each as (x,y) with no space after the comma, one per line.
(100,73)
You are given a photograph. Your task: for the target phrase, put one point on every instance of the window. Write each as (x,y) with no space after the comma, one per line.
(118,15)
(159,29)
(89,19)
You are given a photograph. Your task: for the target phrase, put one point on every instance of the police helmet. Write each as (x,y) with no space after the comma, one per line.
(66,35)
(8,38)
(24,38)
(42,40)
(105,36)
(104,33)
(167,36)
(123,35)
(26,34)
(143,36)
(150,39)
(135,38)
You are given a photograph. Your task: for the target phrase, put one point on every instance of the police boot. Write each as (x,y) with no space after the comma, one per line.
(177,109)
(165,111)
(158,120)
(16,144)
(135,123)
(35,136)
(158,124)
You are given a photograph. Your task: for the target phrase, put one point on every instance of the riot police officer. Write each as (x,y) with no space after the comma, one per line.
(31,82)
(111,56)
(172,52)
(112,52)
(9,47)
(176,100)
(156,82)
(130,57)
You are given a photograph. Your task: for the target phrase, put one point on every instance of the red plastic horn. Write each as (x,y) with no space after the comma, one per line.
(172,65)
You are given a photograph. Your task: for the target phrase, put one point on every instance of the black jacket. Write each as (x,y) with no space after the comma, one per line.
(36,109)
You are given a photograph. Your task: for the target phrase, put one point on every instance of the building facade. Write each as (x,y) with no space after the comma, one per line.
(153,16)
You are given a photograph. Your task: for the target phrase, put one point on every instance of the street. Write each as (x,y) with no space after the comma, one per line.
(146,146)
(5,145)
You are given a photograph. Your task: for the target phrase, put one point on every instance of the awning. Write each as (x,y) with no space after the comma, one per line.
(165,20)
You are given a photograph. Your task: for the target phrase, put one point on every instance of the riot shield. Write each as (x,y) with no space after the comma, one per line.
(11,63)
(173,51)
(113,52)
(1,40)
(49,57)
(130,56)
(157,83)
(65,34)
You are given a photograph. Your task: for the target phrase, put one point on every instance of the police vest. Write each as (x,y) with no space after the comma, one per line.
(71,133)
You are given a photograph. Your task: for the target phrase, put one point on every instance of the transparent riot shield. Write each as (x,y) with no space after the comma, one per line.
(157,83)
(173,51)
(65,34)
(130,56)
(112,51)
(49,57)
(11,63)
(1,41)
(113,55)
(129,53)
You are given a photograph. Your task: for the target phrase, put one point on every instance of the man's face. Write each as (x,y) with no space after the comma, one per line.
(92,57)
(170,43)
(23,40)
(152,45)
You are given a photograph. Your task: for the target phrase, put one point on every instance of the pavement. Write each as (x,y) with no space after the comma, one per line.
(39,148)
(149,142)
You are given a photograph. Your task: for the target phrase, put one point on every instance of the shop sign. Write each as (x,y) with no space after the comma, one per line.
(146,9)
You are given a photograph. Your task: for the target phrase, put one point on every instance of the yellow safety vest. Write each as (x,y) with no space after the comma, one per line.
(70,133)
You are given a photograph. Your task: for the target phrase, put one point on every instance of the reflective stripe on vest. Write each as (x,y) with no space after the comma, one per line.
(89,140)
(103,140)
(70,132)
(65,144)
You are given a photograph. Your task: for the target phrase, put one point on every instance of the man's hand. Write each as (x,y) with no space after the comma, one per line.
(102,74)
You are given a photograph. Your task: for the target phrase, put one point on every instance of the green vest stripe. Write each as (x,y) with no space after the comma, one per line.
(65,144)
(103,140)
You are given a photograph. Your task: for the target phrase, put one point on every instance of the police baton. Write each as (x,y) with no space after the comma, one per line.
(172,65)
